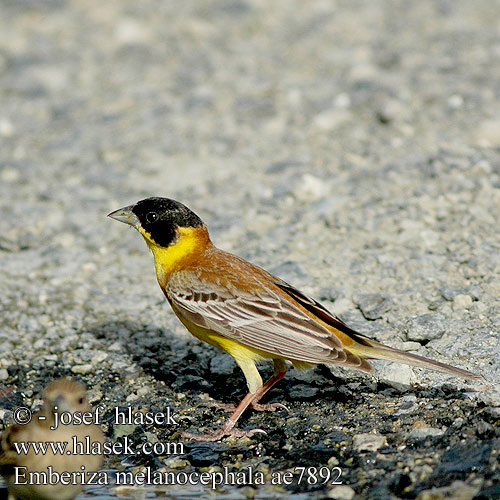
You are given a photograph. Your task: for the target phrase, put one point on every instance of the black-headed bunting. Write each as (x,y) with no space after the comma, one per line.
(242,309)
(61,396)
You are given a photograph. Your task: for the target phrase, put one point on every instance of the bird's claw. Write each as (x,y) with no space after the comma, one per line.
(255,406)
(269,407)
(216,435)
(221,406)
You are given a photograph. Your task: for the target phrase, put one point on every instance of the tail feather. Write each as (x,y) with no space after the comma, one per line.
(363,346)
(374,350)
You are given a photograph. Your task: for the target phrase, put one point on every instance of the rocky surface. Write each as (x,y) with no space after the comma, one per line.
(350,147)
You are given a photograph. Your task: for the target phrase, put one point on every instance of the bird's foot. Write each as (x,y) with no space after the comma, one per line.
(255,406)
(221,433)
(268,407)
(221,406)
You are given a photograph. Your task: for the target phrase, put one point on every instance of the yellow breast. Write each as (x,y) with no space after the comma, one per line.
(188,243)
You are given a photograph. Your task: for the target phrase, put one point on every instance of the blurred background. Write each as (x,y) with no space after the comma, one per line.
(358,142)
(352,147)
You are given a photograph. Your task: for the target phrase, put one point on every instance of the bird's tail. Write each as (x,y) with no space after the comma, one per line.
(365,347)
(371,349)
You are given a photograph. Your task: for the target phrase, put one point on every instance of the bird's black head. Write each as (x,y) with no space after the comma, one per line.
(161,216)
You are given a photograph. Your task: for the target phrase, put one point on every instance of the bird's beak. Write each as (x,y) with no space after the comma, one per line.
(126,215)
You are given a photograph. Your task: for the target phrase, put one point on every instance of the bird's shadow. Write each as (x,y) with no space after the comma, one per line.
(157,351)
(186,365)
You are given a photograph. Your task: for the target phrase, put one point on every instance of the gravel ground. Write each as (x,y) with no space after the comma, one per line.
(352,147)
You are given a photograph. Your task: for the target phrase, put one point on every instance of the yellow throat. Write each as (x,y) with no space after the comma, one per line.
(188,243)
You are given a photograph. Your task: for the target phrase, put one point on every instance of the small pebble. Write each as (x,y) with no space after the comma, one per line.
(303,392)
(423,432)
(368,442)
(341,492)
(373,305)
(425,327)
(462,301)
(82,369)
(458,490)
(222,364)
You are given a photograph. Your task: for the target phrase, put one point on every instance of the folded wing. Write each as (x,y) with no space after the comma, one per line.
(263,319)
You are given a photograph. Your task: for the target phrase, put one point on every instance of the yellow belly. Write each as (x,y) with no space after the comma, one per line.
(236,349)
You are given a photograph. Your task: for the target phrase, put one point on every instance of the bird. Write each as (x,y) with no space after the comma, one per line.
(24,472)
(246,311)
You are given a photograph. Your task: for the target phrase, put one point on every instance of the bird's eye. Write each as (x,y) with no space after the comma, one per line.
(80,401)
(151,217)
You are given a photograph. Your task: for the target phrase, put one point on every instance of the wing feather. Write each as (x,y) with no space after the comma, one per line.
(263,320)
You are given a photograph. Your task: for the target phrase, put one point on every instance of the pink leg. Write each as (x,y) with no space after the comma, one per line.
(250,399)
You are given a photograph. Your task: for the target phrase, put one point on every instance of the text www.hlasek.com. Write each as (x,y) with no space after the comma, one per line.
(87,447)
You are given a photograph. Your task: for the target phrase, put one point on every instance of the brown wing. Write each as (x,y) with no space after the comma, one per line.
(322,313)
(262,319)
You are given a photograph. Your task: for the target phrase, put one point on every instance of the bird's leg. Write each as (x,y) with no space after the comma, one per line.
(228,428)
(250,399)
(230,407)
(279,373)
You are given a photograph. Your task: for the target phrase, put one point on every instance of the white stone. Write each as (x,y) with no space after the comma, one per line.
(368,442)
(462,301)
(341,492)
(311,188)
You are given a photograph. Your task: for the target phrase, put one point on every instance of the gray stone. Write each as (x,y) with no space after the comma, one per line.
(373,305)
(303,392)
(423,432)
(397,375)
(328,293)
(425,327)
(289,271)
(222,364)
(450,292)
